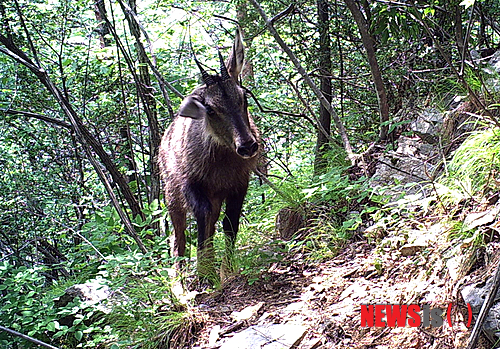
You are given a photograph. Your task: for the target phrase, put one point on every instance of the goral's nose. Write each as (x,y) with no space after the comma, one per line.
(247,149)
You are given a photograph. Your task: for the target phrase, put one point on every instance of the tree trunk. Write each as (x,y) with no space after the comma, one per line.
(103,29)
(369,45)
(325,64)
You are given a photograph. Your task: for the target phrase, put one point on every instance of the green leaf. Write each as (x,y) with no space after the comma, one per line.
(154,205)
(98,219)
(138,220)
(51,327)
(89,330)
(59,334)
(429,11)
(371,209)
(27,320)
(78,335)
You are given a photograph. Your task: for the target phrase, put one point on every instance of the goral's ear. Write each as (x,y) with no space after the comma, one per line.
(192,108)
(237,57)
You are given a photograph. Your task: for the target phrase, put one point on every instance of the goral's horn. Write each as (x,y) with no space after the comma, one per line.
(223,70)
(207,79)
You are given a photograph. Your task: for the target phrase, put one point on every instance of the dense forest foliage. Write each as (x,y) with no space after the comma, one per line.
(87,89)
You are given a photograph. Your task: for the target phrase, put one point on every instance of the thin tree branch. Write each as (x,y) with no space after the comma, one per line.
(26,244)
(23,24)
(277,190)
(265,110)
(162,82)
(81,237)
(227,19)
(282,14)
(15,55)
(39,117)
(149,104)
(467,37)
(28,338)
(317,123)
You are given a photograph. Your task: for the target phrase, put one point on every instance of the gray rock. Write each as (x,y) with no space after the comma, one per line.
(494,62)
(416,159)
(429,122)
(271,336)
(411,164)
(93,292)
(476,295)
(493,69)
(492,84)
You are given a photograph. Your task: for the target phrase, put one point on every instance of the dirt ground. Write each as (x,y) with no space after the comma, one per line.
(326,298)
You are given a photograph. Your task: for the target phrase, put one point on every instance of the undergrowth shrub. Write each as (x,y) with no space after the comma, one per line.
(29,305)
(474,170)
(337,208)
(333,207)
(141,305)
(144,306)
